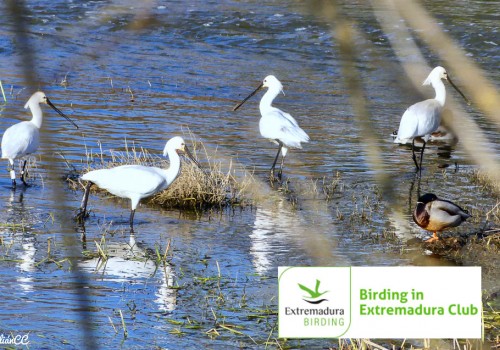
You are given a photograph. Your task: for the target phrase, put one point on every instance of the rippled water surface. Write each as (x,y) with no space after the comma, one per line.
(187,64)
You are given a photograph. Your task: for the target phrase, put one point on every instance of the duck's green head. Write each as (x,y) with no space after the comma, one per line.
(427,198)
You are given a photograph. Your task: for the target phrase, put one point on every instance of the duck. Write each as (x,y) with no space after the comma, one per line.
(436,215)
(276,125)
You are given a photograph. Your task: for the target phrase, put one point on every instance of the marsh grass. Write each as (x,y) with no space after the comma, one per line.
(357,206)
(325,188)
(195,188)
(491,321)
(368,344)
(3,93)
(482,180)
(106,249)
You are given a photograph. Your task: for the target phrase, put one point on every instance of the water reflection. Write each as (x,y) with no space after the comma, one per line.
(129,262)
(15,206)
(271,231)
(21,216)
(402,220)
(27,265)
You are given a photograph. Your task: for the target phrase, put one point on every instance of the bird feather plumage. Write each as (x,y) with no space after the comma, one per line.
(419,120)
(26,137)
(129,180)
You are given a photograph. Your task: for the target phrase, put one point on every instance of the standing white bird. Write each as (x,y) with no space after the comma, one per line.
(136,182)
(276,125)
(423,118)
(22,139)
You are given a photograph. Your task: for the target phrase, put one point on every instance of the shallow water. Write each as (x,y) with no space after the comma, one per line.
(187,69)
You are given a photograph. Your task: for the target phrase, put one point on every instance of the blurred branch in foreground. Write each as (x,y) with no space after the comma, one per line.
(17,10)
(393,16)
(344,32)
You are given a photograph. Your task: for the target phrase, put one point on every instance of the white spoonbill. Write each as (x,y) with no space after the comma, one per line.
(276,125)
(22,139)
(423,118)
(136,182)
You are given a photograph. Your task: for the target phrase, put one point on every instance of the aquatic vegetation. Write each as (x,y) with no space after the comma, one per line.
(483,180)
(3,93)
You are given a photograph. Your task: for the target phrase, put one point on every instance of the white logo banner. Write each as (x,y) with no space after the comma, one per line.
(380,302)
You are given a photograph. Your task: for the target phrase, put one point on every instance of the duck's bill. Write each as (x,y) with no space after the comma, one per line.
(458,90)
(61,113)
(190,156)
(248,97)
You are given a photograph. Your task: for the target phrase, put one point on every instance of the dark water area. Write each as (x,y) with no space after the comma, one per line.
(187,64)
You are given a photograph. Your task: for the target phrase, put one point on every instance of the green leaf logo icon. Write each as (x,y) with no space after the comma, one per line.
(313,294)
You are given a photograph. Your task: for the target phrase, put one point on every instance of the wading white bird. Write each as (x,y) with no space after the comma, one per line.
(276,125)
(22,139)
(435,215)
(423,118)
(136,182)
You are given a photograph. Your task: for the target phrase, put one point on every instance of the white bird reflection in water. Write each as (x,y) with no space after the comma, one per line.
(166,296)
(24,241)
(126,262)
(272,228)
(27,266)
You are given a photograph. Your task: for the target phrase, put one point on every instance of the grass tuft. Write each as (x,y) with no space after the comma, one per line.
(481,179)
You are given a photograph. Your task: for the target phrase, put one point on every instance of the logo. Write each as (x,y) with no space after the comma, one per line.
(314,302)
(379,302)
(313,295)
